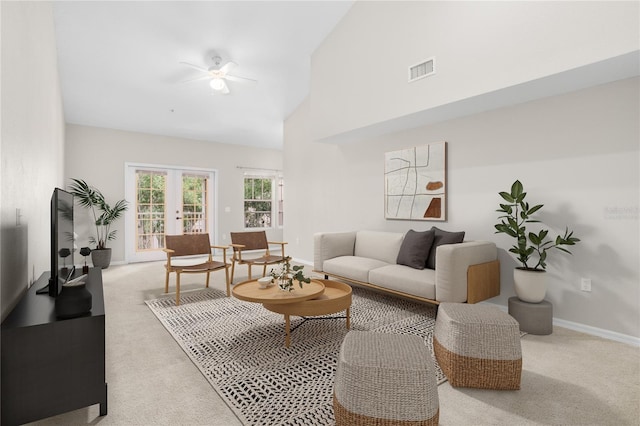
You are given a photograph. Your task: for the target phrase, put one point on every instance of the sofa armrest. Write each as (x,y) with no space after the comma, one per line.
(452,264)
(327,245)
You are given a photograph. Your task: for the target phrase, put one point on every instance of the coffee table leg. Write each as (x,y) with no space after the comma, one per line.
(348,318)
(287,328)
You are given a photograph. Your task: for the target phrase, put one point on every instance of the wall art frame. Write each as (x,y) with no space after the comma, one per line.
(415,183)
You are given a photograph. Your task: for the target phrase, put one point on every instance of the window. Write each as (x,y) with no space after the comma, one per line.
(258,201)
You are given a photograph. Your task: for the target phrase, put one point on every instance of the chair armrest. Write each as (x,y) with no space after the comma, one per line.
(280,243)
(237,251)
(452,264)
(169,254)
(224,252)
(327,245)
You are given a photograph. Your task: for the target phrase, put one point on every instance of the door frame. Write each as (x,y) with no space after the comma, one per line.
(130,215)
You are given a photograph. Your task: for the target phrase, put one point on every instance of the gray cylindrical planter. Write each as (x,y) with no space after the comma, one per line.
(101,258)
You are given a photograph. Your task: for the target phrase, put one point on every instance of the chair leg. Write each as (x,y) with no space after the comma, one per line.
(226,273)
(233,268)
(166,283)
(249,268)
(264,270)
(208,274)
(177,288)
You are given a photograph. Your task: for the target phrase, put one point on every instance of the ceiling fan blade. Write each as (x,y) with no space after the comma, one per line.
(239,79)
(194,66)
(191,80)
(228,67)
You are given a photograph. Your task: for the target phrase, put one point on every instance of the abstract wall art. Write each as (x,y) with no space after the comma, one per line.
(415,186)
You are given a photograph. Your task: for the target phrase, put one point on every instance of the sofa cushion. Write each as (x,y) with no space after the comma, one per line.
(383,246)
(415,247)
(353,267)
(442,237)
(417,282)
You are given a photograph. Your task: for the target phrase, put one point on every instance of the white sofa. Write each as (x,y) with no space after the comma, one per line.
(465,272)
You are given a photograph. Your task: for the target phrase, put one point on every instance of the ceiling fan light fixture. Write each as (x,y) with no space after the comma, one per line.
(217,84)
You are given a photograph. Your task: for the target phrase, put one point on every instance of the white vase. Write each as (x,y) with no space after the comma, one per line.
(530,285)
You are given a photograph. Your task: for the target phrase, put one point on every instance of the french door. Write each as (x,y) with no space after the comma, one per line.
(166,201)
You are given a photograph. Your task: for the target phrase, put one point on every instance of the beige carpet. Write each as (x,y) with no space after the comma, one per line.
(239,347)
(568,378)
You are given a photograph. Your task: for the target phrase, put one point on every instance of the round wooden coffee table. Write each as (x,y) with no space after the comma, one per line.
(335,298)
(332,297)
(250,291)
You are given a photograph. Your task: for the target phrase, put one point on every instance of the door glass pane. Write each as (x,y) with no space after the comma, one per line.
(194,202)
(150,209)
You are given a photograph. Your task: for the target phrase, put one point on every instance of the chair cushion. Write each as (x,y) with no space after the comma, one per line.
(415,248)
(442,237)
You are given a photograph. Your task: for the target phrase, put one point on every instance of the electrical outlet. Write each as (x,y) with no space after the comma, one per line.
(585,284)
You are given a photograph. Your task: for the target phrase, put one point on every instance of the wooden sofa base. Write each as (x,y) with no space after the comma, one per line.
(483,282)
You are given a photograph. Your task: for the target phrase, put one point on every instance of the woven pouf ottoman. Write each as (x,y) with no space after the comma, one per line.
(478,346)
(385,379)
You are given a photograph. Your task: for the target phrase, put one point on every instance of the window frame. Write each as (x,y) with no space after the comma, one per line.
(273,200)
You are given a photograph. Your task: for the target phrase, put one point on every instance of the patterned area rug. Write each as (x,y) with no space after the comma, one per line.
(239,347)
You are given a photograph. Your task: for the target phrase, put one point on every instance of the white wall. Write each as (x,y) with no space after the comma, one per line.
(359,73)
(32,143)
(98,156)
(576,153)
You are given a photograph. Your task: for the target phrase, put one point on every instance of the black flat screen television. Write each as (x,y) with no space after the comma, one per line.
(62,241)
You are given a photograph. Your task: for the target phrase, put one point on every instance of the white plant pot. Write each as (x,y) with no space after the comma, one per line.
(530,285)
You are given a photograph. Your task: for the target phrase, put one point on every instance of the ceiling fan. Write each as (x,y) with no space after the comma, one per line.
(218,75)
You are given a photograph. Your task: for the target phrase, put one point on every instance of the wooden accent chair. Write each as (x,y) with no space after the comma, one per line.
(192,245)
(252,241)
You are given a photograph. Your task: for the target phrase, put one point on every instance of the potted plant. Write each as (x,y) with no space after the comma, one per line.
(103,215)
(530,247)
(287,273)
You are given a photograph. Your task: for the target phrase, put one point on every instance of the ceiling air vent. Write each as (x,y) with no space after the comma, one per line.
(422,70)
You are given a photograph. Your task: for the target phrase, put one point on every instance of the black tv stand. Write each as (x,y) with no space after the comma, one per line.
(51,366)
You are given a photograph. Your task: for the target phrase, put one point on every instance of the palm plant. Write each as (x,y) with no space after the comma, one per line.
(516,214)
(103,214)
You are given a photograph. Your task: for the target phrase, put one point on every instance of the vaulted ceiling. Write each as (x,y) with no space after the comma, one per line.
(119,65)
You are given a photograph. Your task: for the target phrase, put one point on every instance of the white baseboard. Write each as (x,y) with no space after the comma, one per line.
(587,329)
(600,332)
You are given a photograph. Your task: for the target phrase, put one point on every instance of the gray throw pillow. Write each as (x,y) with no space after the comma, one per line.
(415,248)
(442,237)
